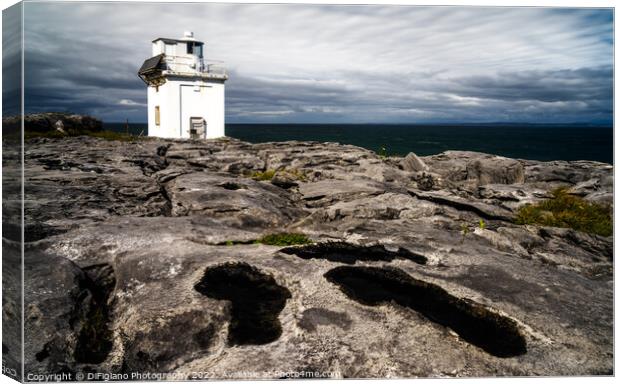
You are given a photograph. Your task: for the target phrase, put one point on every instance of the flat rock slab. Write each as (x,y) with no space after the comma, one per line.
(340,189)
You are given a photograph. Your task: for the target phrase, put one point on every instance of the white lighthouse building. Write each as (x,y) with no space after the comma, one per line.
(185,95)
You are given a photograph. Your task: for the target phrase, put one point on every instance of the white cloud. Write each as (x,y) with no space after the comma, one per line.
(130,103)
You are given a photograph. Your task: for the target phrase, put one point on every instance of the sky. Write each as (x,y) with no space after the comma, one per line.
(333,64)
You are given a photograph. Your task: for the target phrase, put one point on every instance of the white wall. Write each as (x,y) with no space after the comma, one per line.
(157,47)
(177,58)
(178,102)
(176,48)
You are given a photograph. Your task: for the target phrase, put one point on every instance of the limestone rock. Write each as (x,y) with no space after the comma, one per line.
(51,121)
(478,168)
(412,163)
(495,170)
(161,236)
(286,180)
(65,313)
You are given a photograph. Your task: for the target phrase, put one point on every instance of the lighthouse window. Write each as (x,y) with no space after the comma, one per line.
(157,115)
(194,49)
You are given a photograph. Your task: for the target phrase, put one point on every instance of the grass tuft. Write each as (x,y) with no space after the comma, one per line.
(106,135)
(284,239)
(278,239)
(263,176)
(568,211)
(270,173)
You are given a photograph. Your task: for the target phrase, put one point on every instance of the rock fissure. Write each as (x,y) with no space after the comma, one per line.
(343,252)
(167,208)
(463,205)
(94,341)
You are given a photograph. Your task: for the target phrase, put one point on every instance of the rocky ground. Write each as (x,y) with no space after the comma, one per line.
(140,256)
(52,121)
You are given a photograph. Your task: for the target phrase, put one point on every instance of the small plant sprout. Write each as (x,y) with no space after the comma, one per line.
(481,224)
(464,232)
(383,152)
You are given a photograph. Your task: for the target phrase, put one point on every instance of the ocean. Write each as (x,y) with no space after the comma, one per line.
(535,142)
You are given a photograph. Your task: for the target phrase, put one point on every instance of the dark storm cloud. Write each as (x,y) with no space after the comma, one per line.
(11,60)
(330,63)
(517,95)
(561,85)
(96,86)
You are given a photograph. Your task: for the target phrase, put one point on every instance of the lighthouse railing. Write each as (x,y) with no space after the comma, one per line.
(215,69)
(189,65)
(180,63)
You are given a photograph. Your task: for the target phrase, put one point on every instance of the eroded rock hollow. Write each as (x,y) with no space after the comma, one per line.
(256,301)
(496,334)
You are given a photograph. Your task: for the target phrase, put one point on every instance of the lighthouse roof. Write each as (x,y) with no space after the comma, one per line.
(151,68)
(151,63)
(174,41)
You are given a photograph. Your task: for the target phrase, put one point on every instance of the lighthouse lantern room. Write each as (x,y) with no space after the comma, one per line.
(185,95)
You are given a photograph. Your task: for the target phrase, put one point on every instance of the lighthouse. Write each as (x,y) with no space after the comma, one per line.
(185,94)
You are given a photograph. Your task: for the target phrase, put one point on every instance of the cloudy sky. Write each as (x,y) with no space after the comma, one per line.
(342,64)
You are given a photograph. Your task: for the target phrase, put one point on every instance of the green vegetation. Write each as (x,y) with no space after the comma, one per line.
(263,176)
(270,173)
(382,152)
(482,224)
(278,239)
(284,239)
(568,211)
(464,232)
(106,135)
(46,134)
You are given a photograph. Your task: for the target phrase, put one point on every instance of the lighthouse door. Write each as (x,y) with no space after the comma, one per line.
(194,111)
(197,128)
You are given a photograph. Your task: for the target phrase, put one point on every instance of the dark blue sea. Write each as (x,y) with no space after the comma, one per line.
(536,142)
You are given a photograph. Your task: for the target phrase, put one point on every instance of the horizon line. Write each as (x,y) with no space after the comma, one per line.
(498,123)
